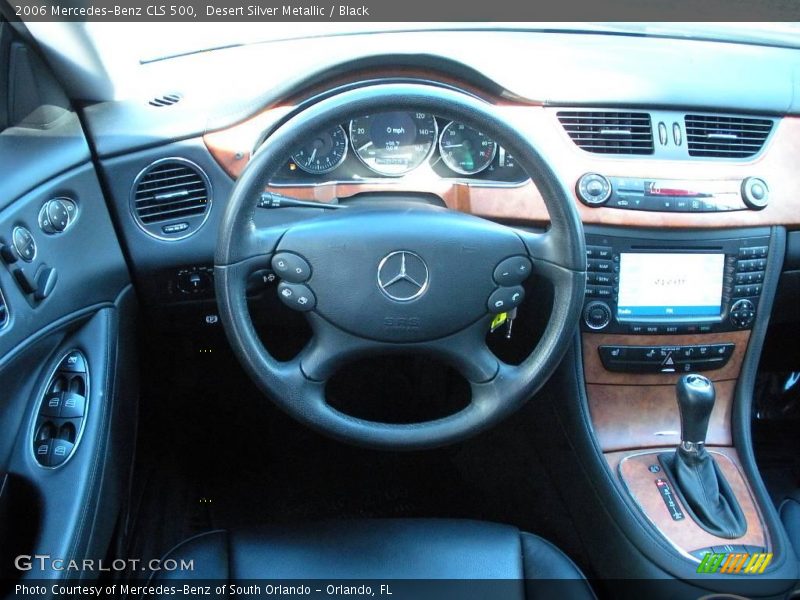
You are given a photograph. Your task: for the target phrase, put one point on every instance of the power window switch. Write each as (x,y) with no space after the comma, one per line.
(41,450)
(60,451)
(51,407)
(72,406)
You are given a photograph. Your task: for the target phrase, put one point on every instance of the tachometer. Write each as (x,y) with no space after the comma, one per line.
(466,150)
(393,143)
(324,153)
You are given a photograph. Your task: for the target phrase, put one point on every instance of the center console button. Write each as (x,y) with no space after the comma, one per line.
(597,315)
(512,271)
(603,266)
(599,278)
(290,267)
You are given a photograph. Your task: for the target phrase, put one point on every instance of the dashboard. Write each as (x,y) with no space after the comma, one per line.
(399,144)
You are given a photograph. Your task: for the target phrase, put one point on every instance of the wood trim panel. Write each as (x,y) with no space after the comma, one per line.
(632,472)
(646,416)
(595,372)
(777,164)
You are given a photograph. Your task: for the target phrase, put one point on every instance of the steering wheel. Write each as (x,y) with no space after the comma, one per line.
(410,279)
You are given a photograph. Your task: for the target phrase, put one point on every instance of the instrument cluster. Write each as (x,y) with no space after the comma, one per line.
(396,144)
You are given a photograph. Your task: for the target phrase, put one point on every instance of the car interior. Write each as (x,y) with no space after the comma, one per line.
(431,302)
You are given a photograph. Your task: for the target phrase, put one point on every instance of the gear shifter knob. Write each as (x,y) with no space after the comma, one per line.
(695,401)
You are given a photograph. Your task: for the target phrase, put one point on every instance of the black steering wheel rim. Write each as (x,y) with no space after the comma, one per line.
(298,386)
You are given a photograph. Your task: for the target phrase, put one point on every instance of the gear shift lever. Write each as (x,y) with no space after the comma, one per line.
(696,398)
(697,477)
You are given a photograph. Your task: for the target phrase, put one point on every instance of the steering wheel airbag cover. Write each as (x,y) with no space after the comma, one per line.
(450,261)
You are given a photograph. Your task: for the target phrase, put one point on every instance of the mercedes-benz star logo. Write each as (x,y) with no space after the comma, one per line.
(403,276)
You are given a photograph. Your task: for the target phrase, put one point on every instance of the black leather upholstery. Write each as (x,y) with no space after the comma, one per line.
(379,549)
(790,516)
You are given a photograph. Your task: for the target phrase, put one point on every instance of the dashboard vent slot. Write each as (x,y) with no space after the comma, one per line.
(174,191)
(165,100)
(609,132)
(724,136)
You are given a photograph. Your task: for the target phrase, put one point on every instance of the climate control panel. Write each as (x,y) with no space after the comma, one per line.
(672,195)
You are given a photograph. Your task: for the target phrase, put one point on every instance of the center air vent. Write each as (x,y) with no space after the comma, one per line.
(725,136)
(171,198)
(609,132)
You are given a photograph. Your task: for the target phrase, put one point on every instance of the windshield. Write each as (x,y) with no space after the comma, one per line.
(166,40)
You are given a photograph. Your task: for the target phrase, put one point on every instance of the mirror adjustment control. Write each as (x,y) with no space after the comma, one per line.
(297,296)
(291,268)
(56,215)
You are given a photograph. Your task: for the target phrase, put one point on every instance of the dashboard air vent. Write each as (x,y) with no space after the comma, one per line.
(165,100)
(171,198)
(609,132)
(719,136)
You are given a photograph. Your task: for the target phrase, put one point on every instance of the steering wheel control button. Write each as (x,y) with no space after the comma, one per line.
(24,244)
(593,189)
(597,315)
(505,299)
(512,271)
(297,296)
(291,268)
(755,193)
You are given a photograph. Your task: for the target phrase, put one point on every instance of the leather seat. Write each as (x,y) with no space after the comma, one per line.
(383,549)
(790,516)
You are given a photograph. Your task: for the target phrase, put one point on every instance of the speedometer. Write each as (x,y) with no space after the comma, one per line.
(466,150)
(393,143)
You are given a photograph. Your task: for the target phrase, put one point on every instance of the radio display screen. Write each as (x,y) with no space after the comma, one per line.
(670,286)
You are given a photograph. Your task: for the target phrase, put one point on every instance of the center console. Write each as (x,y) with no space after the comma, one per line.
(660,305)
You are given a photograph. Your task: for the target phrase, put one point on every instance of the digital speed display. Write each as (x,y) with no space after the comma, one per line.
(664,286)
(393,143)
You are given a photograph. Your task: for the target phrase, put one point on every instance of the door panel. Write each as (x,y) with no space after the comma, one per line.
(65,286)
